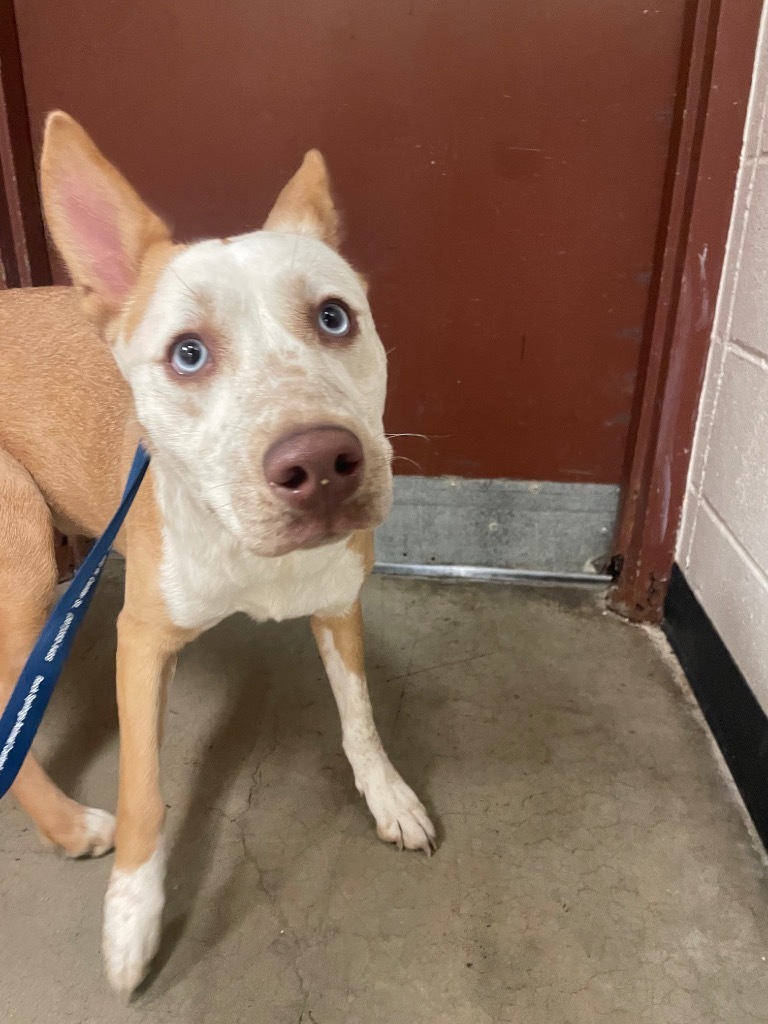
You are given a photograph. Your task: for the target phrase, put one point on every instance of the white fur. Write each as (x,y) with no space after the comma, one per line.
(222,577)
(100,828)
(400,816)
(133,910)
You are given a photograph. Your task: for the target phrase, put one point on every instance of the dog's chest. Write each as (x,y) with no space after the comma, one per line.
(211,579)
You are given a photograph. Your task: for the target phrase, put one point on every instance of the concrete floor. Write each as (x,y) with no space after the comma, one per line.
(593,863)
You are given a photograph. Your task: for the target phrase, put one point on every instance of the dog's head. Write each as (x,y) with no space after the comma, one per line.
(256,370)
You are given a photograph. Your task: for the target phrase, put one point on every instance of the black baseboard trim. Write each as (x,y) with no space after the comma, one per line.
(739,724)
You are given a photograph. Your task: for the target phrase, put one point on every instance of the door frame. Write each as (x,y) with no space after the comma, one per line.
(704,162)
(23,251)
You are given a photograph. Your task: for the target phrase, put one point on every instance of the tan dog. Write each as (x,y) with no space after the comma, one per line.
(252,370)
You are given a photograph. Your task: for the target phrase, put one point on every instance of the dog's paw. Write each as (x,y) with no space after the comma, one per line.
(400,815)
(133,910)
(88,833)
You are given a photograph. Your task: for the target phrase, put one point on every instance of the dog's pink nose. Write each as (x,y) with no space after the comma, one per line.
(315,470)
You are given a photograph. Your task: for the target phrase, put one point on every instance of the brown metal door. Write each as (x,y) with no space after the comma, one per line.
(501,164)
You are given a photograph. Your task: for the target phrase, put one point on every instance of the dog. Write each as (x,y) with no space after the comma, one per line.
(251,370)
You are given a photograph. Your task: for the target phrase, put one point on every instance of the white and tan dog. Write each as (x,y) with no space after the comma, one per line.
(253,372)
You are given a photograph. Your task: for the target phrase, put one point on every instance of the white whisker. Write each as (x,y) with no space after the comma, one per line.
(404,458)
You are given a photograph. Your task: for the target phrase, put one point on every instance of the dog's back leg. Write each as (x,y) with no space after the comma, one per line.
(27,590)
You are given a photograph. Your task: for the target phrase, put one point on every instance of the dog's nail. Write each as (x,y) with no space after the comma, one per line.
(401,841)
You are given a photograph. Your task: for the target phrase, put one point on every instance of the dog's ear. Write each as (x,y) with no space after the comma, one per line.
(305,206)
(98,223)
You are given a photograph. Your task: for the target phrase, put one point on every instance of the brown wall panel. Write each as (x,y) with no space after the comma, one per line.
(501,165)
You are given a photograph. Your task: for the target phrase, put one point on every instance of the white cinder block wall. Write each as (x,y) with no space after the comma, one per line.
(723,544)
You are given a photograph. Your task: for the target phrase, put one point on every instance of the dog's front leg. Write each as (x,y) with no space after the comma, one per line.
(146,659)
(400,816)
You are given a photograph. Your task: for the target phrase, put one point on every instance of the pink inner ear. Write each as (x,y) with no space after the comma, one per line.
(91,219)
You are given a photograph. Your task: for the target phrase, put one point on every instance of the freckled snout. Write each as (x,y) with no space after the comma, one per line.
(317,469)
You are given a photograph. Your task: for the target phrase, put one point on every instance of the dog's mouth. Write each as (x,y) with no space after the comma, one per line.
(304,533)
(287,530)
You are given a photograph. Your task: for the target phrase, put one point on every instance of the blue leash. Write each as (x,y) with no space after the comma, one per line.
(24,711)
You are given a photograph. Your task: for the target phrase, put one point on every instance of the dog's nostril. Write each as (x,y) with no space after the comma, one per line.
(316,470)
(294,478)
(346,465)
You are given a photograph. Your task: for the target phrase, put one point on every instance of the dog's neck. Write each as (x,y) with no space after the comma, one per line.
(207,574)
(183,510)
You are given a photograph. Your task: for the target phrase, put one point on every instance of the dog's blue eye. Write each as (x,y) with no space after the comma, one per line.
(334,320)
(188,354)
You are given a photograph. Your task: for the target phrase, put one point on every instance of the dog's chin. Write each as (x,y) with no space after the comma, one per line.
(308,540)
(306,533)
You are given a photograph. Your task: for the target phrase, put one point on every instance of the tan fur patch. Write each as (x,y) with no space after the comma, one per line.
(363,543)
(347,630)
(298,314)
(154,263)
(347,633)
(148,643)
(305,205)
(27,589)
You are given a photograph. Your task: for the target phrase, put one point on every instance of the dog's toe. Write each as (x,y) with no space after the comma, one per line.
(400,816)
(99,833)
(126,967)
